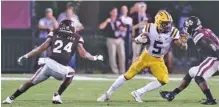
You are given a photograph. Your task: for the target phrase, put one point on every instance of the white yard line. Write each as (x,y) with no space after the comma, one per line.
(86,78)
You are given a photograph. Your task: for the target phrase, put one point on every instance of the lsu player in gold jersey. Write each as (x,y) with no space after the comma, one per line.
(160,35)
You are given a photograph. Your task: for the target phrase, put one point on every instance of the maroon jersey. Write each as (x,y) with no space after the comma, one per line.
(64,47)
(201,38)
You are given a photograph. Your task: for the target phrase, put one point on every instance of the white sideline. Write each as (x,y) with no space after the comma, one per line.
(86,78)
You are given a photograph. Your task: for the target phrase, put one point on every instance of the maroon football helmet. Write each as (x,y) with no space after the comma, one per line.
(67,27)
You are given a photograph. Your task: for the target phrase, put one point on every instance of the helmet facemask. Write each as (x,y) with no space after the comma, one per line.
(166,26)
(67,28)
(163,21)
(191,25)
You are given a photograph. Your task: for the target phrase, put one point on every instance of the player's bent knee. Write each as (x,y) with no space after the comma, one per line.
(128,76)
(193,71)
(199,79)
(163,81)
(71,73)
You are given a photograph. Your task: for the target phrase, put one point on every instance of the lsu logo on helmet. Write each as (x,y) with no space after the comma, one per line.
(163,20)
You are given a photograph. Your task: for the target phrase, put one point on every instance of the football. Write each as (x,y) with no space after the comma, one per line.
(141,39)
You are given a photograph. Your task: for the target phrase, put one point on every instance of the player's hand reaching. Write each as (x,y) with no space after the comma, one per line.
(184,37)
(21,59)
(98,57)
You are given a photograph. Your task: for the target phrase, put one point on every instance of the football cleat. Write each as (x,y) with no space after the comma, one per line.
(168,95)
(7,101)
(209,102)
(56,99)
(136,96)
(104,97)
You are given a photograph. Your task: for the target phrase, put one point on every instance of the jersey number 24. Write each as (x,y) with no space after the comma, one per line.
(59,49)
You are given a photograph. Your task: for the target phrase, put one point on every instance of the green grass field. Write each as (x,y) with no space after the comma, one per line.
(85,93)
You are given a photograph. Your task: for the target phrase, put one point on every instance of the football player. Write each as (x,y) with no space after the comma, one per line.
(208,45)
(160,35)
(64,42)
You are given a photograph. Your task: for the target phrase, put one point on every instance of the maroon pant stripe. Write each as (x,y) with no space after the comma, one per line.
(37,73)
(207,68)
(203,65)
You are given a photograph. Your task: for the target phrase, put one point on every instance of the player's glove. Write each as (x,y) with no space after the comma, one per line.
(98,57)
(21,59)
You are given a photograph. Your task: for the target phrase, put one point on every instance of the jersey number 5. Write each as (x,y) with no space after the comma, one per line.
(59,44)
(157,48)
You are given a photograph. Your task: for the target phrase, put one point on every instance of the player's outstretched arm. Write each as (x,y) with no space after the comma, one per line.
(35,51)
(84,54)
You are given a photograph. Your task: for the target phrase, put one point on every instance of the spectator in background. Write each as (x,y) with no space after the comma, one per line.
(135,8)
(140,18)
(115,31)
(69,14)
(128,39)
(46,24)
(184,12)
(124,16)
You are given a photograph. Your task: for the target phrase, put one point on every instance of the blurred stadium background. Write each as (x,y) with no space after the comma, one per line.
(20,34)
(20,31)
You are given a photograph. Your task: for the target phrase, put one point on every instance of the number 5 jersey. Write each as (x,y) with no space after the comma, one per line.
(159,43)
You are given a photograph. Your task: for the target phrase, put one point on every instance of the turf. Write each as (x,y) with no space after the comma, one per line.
(85,93)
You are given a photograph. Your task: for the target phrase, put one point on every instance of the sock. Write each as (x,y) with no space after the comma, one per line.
(149,87)
(64,85)
(207,93)
(118,83)
(61,89)
(176,91)
(16,94)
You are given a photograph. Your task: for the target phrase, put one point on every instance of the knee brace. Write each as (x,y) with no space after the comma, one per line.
(164,82)
(128,76)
